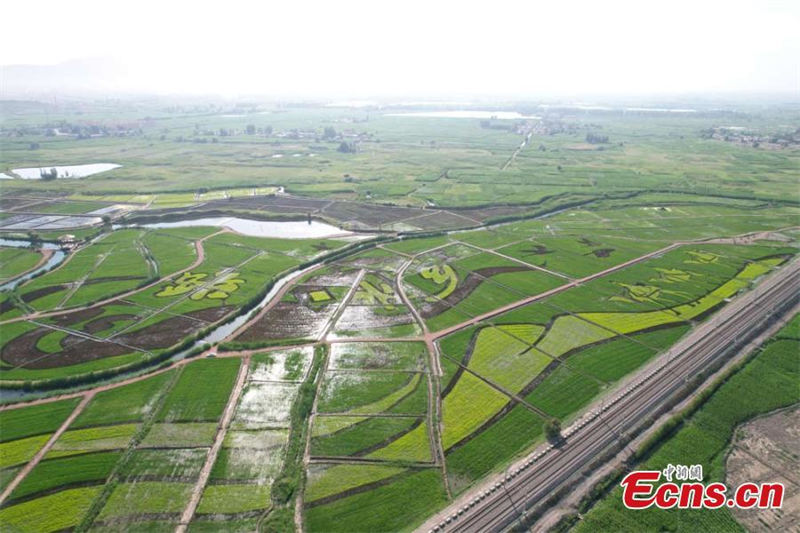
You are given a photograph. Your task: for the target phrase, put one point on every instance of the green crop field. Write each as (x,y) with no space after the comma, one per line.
(563,392)
(127,404)
(473,459)
(180,435)
(360,434)
(83,469)
(34,420)
(226,499)
(20,451)
(612,360)
(190,401)
(166,464)
(467,406)
(412,446)
(145,497)
(394,506)
(24,431)
(329,480)
(348,391)
(53,512)
(506,360)
(16,261)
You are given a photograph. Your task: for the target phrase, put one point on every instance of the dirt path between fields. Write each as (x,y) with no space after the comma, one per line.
(222,430)
(344,340)
(46,448)
(519,261)
(522,145)
(435,425)
(345,302)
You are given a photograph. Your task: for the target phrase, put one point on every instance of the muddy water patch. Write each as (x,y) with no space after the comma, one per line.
(288,365)
(265,405)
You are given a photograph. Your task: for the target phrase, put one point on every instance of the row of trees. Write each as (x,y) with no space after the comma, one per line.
(596,138)
(48,175)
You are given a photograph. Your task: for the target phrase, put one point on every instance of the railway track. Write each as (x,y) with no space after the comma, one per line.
(534,479)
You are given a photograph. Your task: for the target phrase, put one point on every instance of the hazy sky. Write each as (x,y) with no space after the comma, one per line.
(411,47)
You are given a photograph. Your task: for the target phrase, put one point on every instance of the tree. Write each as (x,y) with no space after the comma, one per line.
(33,146)
(346,148)
(329,132)
(594,138)
(35,239)
(250,129)
(552,429)
(48,175)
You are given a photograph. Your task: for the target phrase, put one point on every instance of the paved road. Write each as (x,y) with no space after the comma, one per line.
(535,478)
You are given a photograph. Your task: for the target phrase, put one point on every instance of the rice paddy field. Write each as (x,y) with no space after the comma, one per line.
(198,377)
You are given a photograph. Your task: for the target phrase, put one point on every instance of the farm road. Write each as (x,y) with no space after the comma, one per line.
(435,426)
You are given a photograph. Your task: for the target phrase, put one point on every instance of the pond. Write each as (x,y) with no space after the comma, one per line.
(64,171)
(261,228)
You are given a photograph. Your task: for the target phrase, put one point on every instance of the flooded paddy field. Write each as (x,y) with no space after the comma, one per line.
(306,311)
